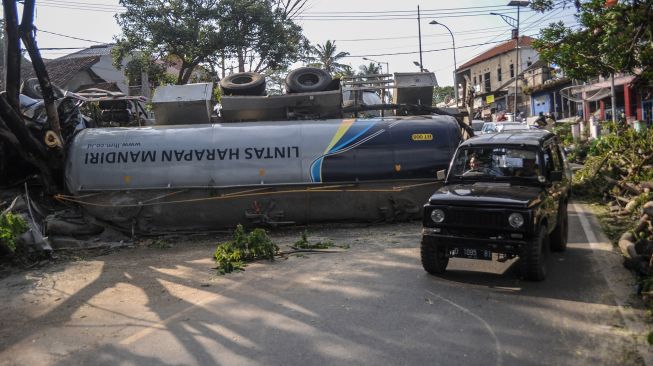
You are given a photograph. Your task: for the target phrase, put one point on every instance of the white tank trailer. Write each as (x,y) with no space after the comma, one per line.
(166,178)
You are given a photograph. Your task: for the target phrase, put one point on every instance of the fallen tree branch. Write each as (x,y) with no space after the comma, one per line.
(27,34)
(11,206)
(600,166)
(33,158)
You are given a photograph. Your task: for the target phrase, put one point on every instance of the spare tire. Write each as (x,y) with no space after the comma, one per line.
(243,83)
(306,80)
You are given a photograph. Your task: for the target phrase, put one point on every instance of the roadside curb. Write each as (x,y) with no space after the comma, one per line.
(619,280)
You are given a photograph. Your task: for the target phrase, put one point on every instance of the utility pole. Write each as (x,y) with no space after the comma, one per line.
(613,99)
(518,4)
(419,34)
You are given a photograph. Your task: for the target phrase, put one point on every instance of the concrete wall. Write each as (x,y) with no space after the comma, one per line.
(82,78)
(527,55)
(105,69)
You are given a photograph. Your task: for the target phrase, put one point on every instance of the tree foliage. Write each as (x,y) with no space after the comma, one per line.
(442,94)
(144,63)
(326,56)
(613,37)
(186,29)
(11,226)
(370,69)
(231,255)
(259,34)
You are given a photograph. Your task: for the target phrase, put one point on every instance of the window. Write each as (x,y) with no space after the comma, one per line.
(487,81)
(512,70)
(552,159)
(474,80)
(499,73)
(497,162)
(529,63)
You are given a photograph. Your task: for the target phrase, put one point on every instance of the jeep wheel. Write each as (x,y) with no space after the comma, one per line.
(561,232)
(434,256)
(533,259)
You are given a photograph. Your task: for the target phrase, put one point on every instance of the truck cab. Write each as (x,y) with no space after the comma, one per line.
(505,195)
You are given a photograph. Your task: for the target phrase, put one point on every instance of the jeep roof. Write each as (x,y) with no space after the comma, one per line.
(511,137)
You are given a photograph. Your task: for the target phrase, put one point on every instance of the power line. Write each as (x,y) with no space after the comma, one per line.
(461,39)
(86,7)
(60,48)
(409,11)
(526,20)
(363,18)
(426,51)
(383,13)
(412,14)
(413,36)
(71,37)
(476,30)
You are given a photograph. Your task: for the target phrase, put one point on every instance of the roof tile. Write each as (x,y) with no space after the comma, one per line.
(498,50)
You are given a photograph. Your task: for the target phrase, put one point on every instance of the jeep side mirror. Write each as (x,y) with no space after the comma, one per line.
(441,174)
(555,176)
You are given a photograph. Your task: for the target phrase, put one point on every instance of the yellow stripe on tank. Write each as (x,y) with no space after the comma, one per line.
(344,127)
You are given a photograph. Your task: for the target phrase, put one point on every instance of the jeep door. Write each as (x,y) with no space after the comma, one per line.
(556,183)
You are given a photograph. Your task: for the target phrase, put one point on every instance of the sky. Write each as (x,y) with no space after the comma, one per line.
(382,30)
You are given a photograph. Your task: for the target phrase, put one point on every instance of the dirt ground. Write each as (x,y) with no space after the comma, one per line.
(68,283)
(161,302)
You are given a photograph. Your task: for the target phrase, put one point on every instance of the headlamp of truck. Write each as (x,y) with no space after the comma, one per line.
(437,216)
(516,220)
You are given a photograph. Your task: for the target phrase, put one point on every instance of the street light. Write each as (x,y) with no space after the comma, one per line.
(387,70)
(455,84)
(421,68)
(514,23)
(387,65)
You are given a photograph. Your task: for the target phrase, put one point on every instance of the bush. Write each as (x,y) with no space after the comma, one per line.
(11,226)
(232,255)
(563,130)
(625,157)
(303,243)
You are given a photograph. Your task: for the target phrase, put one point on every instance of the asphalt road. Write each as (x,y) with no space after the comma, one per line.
(371,304)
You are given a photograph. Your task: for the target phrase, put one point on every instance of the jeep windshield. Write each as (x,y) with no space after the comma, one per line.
(496,163)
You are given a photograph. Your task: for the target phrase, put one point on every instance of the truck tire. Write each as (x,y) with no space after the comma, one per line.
(243,83)
(306,80)
(560,233)
(434,256)
(533,258)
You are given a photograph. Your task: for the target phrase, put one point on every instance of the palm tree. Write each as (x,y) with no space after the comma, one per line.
(326,57)
(371,69)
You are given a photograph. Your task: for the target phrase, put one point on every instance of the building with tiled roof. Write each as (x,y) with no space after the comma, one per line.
(103,68)
(89,67)
(69,74)
(489,78)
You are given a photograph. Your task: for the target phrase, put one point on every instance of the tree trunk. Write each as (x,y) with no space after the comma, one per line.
(28,156)
(188,73)
(27,33)
(13,53)
(241,61)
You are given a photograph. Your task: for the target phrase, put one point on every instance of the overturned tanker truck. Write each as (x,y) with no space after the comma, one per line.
(258,171)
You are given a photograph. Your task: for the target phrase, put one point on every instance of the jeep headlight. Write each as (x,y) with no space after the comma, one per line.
(437,216)
(516,220)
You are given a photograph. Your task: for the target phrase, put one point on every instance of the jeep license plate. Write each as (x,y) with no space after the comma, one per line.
(471,253)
